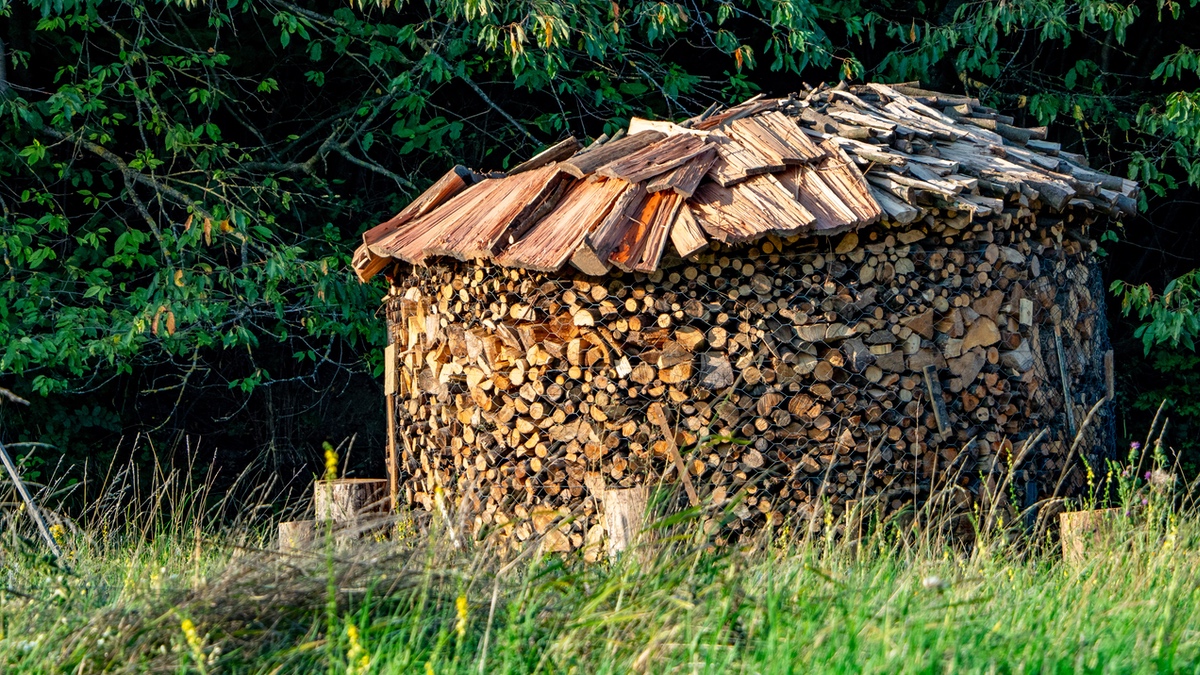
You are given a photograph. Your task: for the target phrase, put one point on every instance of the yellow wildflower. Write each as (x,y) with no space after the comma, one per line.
(59,533)
(358,657)
(461,606)
(195,643)
(331,463)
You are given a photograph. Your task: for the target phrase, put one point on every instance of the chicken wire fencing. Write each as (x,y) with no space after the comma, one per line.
(797,378)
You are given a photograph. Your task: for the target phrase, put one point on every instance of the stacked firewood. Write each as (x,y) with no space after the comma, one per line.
(800,376)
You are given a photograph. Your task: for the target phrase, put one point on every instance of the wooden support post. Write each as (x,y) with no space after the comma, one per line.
(934,387)
(32,506)
(1031,506)
(1079,530)
(1109,376)
(1062,374)
(351,506)
(389,388)
(659,417)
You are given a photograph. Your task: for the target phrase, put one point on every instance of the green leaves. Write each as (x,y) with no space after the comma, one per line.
(1171,318)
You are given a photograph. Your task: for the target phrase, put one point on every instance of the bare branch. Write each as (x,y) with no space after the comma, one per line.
(5,90)
(471,83)
(430,50)
(12,397)
(401,180)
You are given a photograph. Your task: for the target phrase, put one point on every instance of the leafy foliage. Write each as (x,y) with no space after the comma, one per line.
(183,179)
(181,183)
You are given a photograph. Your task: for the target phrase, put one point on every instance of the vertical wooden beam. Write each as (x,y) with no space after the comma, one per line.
(1109,376)
(1062,374)
(389,388)
(934,387)
(658,416)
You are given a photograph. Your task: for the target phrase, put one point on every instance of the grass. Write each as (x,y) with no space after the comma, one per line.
(166,593)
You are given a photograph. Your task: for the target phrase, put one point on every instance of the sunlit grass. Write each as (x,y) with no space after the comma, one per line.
(181,597)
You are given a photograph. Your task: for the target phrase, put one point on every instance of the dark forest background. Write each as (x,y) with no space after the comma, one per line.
(182,182)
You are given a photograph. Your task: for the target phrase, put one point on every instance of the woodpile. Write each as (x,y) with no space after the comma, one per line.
(655,309)
(790,374)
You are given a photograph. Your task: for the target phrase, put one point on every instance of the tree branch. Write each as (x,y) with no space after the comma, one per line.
(471,83)
(429,49)
(131,174)
(5,91)
(4,393)
(401,180)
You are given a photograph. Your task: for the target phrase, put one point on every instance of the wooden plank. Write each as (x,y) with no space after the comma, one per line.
(749,210)
(723,217)
(453,182)
(657,416)
(548,245)
(775,135)
(737,162)
(684,179)
(686,235)
(660,228)
(806,185)
(752,133)
(638,124)
(627,254)
(555,153)
(751,106)
(843,177)
(585,163)
(368,263)
(766,194)
(509,210)
(786,129)
(591,257)
(409,244)
(655,159)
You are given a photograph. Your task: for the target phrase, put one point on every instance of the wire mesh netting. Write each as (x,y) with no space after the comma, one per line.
(799,378)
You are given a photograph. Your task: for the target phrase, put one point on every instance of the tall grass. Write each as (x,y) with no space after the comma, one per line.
(157,585)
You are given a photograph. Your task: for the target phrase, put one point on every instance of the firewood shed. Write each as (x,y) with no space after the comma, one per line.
(855,295)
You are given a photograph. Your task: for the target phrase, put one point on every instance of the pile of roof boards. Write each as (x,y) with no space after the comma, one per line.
(827,161)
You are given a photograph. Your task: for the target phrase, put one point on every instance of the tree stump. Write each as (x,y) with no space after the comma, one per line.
(1081,530)
(348,499)
(354,506)
(624,517)
(297,535)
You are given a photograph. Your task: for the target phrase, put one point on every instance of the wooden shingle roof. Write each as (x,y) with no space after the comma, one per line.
(820,163)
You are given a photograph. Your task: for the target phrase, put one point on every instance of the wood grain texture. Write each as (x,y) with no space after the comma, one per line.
(591,159)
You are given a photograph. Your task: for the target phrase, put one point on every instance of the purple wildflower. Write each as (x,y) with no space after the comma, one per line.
(1147,475)
(1145,501)
(1135,446)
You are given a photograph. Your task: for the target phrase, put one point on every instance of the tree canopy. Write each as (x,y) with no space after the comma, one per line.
(182,182)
